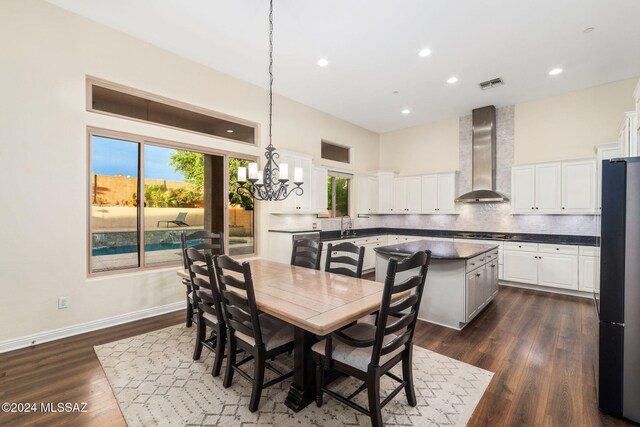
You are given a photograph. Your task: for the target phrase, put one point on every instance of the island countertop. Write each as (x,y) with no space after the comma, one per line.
(439,249)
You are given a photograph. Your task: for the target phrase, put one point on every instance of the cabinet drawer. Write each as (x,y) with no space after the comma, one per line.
(521,246)
(476,262)
(589,251)
(368,240)
(558,249)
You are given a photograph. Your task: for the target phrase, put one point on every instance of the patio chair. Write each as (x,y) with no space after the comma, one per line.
(179,221)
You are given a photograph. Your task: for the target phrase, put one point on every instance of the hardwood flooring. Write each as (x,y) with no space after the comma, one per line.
(540,346)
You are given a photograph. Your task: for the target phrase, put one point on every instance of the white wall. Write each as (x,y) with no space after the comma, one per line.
(45,54)
(429,148)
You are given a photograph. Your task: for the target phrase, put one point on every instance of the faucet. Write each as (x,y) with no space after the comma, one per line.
(344,231)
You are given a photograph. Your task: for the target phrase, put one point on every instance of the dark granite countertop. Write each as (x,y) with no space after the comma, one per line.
(296,231)
(517,237)
(439,250)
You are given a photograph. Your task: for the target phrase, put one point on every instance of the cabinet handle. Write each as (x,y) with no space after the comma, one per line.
(557,249)
(532,207)
(537,207)
(495,253)
(472,264)
(563,207)
(519,246)
(477,274)
(493,265)
(481,259)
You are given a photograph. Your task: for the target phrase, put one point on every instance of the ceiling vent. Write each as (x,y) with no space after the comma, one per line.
(490,84)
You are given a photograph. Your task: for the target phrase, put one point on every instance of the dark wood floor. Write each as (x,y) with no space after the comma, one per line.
(540,346)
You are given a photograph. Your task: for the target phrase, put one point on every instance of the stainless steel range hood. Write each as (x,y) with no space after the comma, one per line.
(484,158)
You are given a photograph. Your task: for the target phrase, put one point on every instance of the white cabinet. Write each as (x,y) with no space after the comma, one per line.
(385,192)
(548,194)
(367,194)
(438,193)
(305,203)
(406,194)
(589,273)
(558,271)
(520,266)
(369,243)
(603,152)
(554,188)
(320,192)
(579,186)
(628,135)
(474,292)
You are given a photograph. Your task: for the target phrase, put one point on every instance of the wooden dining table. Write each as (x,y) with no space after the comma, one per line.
(316,303)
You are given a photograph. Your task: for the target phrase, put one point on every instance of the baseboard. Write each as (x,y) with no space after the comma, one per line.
(56,334)
(580,294)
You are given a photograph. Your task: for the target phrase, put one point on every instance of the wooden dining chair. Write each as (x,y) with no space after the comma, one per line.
(260,336)
(367,352)
(206,297)
(339,260)
(306,253)
(206,242)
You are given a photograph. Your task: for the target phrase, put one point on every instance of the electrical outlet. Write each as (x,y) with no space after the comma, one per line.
(63,302)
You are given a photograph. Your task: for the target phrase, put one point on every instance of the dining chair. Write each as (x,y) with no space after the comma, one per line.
(306,253)
(260,336)
(339,259)
(209,309)
(367,352)
(206,242)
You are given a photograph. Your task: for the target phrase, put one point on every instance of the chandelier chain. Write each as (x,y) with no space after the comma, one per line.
(270,68)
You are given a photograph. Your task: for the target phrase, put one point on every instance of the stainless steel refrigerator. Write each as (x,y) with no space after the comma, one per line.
(618,299)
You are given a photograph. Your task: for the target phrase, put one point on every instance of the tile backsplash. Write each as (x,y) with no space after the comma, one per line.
(495,217)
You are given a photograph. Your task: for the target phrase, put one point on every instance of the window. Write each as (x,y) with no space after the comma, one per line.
(338,153)
(338,186)
(183,190)
(121,101)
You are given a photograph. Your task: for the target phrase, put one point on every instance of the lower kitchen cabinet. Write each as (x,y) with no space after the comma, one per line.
(521,266)
(558,271)
(474,292)
(589,273)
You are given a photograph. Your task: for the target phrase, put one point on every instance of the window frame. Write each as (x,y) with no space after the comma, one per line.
(91,80)
(346,147)
(333,175)
(158,142)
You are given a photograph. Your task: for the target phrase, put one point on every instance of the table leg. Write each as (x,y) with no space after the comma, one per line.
(302,390)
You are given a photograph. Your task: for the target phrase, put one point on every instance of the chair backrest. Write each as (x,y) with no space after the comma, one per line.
(181,216)
(339,263)
(203,280)
(238,297)
(403,324)
(205,242)
(306,253)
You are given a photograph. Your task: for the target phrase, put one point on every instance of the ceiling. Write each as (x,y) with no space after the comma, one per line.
(372,47)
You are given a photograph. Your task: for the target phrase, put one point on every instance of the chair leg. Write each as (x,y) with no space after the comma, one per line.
(319,381)
(200,336)
(258,380)
(407,375)
(220,344)
(231,360)
(189,321)
(375,409)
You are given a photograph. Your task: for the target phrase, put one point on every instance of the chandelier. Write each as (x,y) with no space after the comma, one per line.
(272,184)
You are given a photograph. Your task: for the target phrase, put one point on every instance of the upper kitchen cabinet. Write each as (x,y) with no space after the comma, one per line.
(438,193)
(628,135)
(554,188)
(385,192)
(406,195)
(603,152)
(367,194)
(579,186)
(314,186)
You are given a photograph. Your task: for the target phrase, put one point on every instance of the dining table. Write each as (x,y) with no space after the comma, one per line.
(316,303)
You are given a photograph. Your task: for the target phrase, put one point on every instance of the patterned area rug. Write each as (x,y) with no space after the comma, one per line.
(157,383)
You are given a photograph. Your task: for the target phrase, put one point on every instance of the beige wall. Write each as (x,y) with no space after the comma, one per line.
(46,53)
(567,126)
(422,149)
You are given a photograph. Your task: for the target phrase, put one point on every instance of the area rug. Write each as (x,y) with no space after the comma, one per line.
(157,383)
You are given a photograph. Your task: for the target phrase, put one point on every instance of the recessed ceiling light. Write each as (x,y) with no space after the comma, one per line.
(395,92)
(405,111)
(425,52)
(452,80)
(588,30)
(229,130)
(555,71)
(322,62)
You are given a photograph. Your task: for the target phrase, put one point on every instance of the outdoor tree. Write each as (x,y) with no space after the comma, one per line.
(235,196)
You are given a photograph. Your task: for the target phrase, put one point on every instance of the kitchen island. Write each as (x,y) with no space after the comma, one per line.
(462,278)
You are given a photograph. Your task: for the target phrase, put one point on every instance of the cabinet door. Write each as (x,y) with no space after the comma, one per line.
(521,267)
(306,202)
(579,186)
(364,206)
(400,195)
(385,193)
(548,192)
(558,271)
(291,203)
(429,193)
(604,152)
(523,189)
(369,262)
(447,193)
(493,274)
(473,285)
(414,193)
(372,190)
(589,273)
(320,190)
